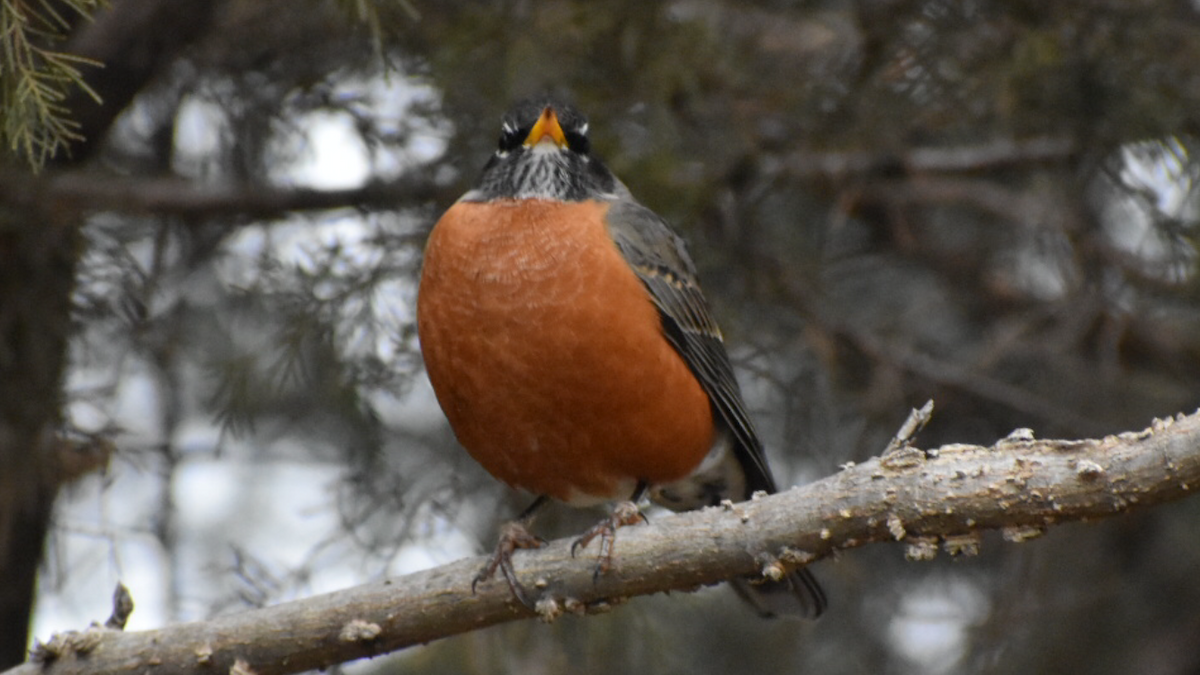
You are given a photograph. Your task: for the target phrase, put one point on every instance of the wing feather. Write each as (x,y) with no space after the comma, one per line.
(659,258)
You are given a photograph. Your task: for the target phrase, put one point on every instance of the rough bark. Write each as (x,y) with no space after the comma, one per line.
(942,498)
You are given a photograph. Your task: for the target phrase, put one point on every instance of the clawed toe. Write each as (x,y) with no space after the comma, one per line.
(625,513)
(514,535)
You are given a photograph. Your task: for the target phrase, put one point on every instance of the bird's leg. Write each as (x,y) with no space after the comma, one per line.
(624,513)
(513,535)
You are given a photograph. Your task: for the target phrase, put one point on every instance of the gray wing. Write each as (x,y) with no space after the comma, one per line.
(659,258)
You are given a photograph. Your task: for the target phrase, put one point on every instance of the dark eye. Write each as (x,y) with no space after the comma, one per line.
(577,142)
(510,140)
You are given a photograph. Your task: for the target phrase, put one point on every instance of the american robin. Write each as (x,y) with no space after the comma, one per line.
(572,350)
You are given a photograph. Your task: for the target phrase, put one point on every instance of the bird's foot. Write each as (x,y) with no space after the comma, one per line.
(624,513)
(513,535)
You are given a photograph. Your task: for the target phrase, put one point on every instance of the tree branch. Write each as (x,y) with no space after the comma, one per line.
(996,154)
(80,191)
(88,192)
(945,496)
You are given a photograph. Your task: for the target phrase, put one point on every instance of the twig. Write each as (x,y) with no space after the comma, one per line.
(917,419)
(122,607)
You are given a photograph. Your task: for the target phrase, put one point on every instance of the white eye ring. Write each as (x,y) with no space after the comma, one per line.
(583,129)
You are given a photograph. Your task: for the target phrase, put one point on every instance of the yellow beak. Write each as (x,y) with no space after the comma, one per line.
(546,126)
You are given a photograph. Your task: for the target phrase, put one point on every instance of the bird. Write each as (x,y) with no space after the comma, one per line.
(569,345)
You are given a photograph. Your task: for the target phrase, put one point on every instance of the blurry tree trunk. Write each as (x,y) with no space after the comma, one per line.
(942,498)
(39,247)
(37,261)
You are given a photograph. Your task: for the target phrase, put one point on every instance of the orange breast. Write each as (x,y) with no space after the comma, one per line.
(547,354)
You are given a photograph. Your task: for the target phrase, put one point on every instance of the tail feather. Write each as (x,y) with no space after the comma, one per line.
(795,596)
(730,471)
